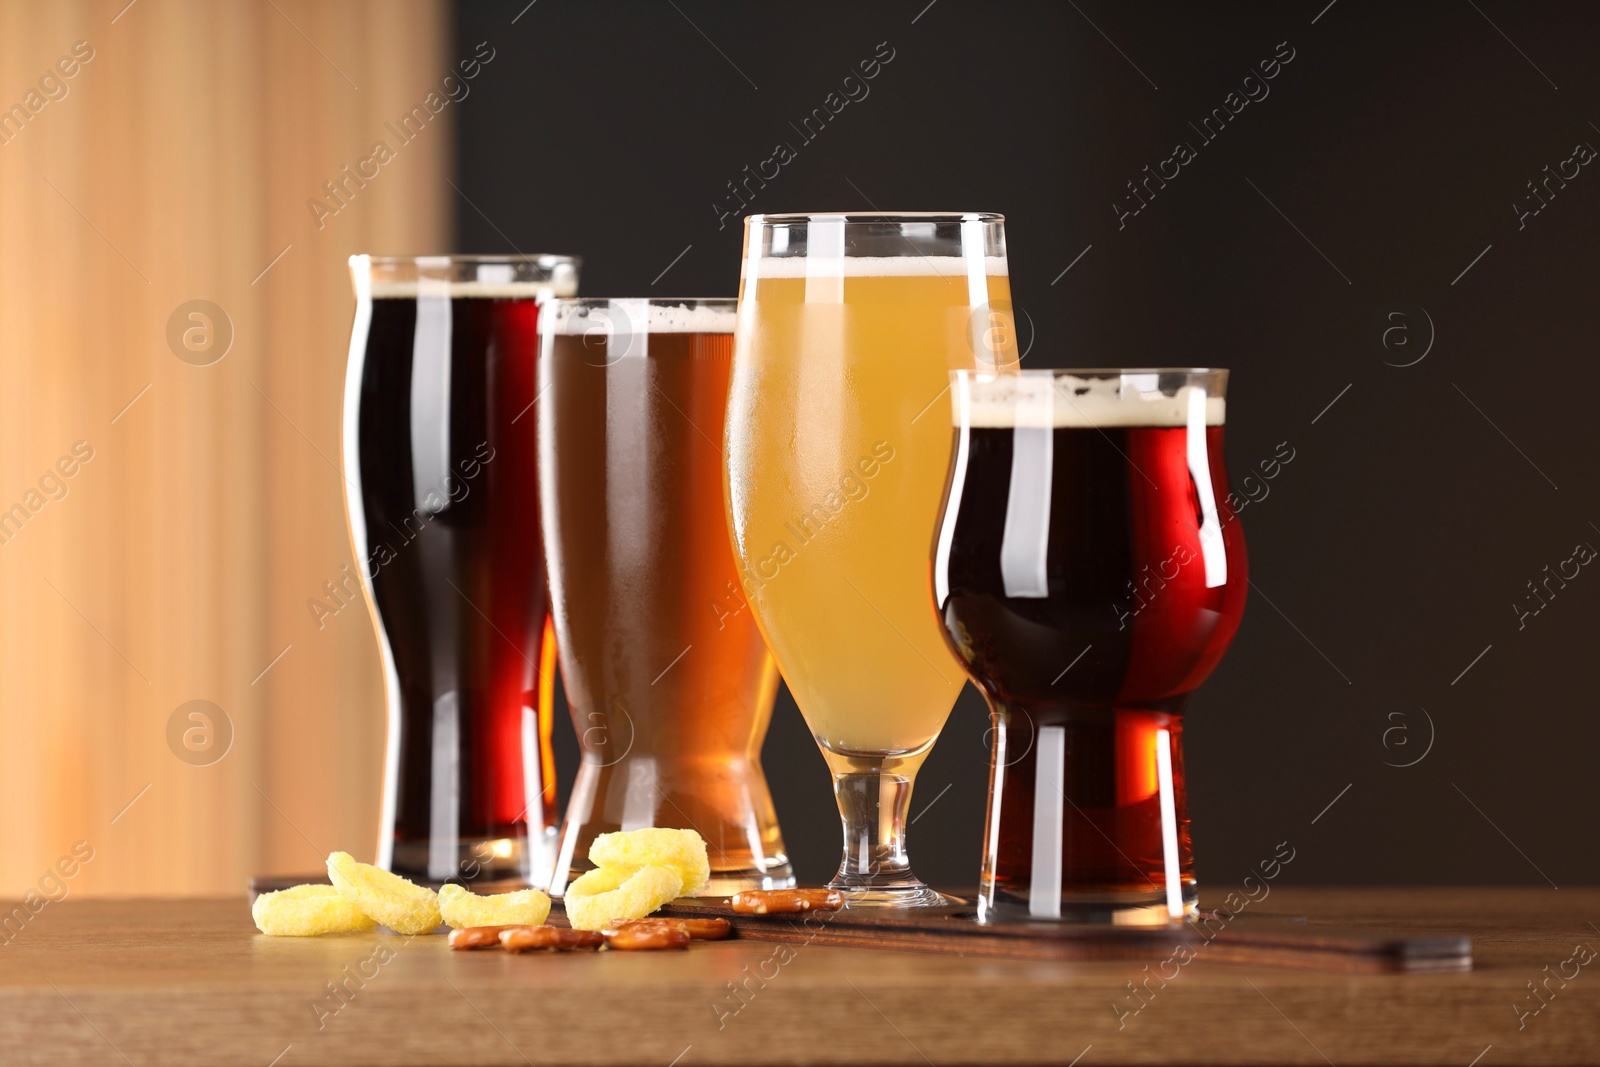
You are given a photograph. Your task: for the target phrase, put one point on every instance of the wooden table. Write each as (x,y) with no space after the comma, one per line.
(180,982)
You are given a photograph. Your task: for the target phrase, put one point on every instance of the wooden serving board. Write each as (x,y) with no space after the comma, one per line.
(1274,940)
(1245,938)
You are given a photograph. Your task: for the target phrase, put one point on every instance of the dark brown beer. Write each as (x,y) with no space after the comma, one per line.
(669,681)
(440,455)
(1090,583)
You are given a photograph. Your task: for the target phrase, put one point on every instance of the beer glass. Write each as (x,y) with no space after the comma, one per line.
(669,683)
(1089,572)
(439,437)
(837,451)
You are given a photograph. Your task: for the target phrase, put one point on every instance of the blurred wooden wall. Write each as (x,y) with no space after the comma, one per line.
(176,165)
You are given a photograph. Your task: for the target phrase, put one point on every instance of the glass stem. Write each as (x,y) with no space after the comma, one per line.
(873,806)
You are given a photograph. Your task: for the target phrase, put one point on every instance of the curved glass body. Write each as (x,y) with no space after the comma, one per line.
(441,496)
(669,682)
(837,451)
(1090,574)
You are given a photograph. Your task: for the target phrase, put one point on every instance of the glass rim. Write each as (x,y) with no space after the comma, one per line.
(731,302)
(1064,397)
(644,316)
(1088,372)
(444,259)
(860,218)
(513,277)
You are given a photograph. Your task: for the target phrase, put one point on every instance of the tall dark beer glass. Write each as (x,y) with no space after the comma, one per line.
(442,496)
(1090,574)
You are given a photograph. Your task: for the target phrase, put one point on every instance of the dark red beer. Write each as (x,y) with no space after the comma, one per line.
(1088,632)
(443,501)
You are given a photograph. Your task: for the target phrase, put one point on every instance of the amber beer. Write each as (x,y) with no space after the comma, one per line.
(1090,575)
(669,681)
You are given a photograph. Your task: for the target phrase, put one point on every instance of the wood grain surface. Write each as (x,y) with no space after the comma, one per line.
(181,982)
(1257,937)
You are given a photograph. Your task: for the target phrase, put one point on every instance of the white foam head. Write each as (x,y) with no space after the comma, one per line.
(444,277)
(444,287)
(868,266)
(586,317)
(1068,401)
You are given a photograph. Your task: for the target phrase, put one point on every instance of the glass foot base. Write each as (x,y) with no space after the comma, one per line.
(1108,908)
(722,883)
(910,896)
(727,883)
(481,860)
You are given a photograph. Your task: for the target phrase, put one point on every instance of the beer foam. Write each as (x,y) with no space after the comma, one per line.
(411,290)
(1069,402)
(637,316)
(912,266)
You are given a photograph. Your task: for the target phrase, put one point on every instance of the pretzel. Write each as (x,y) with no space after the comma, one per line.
(529,938)
(647,936)
(768,901)
(697,929)
(476,936)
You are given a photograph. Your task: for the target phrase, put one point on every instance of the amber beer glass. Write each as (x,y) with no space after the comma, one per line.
(440,491)
(1089,573)
(837,451)
(669,682)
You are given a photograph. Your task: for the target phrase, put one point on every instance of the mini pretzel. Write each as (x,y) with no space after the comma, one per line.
(647,936)
(477,936)
(529,938)
(697,929)
(768,901)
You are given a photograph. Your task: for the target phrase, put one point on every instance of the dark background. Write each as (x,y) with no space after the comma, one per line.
(1387,156)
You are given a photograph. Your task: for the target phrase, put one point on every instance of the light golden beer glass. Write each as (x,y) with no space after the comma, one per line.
(838,447)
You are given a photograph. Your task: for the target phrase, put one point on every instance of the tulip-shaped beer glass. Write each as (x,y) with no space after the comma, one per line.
(837,448)
(1090,573)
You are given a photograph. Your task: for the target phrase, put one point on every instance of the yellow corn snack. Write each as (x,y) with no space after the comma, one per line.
(682,850)
(462,908)
(607,893)
(401,905)
(307,910)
